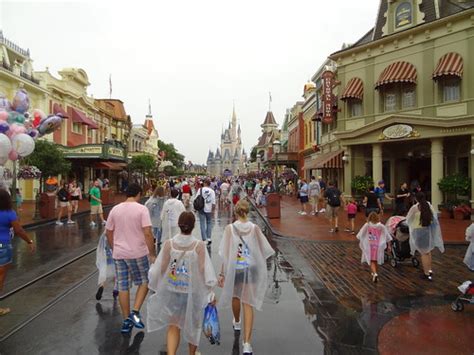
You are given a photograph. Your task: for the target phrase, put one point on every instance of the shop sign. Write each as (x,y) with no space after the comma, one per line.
(116,152)
(398,131)
(86,150)
(403,14)
(328,97)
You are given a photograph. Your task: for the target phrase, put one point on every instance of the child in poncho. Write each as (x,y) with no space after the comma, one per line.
(469,257)
(244,251)
(105,265)
(374,238)
(183,279)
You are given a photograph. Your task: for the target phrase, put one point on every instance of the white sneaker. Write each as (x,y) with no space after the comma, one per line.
(322,210)
(303,213)
(92,224)
(208,241)
(70,222)
(247,349)
(59,223)
(236,325)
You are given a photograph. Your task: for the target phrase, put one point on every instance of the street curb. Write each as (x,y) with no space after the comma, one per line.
(288,237)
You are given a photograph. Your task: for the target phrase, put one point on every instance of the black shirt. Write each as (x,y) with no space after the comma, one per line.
(401,200)
(372,200)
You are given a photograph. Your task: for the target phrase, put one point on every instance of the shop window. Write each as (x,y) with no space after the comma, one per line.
(450,88)
(398,96)
(77,128)
(463,166)
(354,107)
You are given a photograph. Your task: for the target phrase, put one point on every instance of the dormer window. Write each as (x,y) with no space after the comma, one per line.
(403,14)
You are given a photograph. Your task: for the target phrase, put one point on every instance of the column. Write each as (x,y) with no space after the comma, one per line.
(377,162)
(436,171)
(471,174)
(348,170)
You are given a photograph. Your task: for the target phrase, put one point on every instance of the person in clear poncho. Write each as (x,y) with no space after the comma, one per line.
(182,279)
(244,251)
(374,238)
(170,213)
(469,257)
(425,233)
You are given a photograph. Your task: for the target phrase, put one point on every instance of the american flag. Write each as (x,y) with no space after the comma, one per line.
(110,85)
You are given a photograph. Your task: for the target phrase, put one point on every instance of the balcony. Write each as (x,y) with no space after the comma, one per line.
(6,66)
(29,77)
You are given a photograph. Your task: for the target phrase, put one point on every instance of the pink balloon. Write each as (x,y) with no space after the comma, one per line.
(15,129)
(13,155)
(3,115)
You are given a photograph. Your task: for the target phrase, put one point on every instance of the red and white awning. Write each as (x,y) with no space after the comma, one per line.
(398,72)
(449,64)
(353,90)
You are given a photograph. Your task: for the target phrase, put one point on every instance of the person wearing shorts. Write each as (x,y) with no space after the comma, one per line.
(64,205)
(96,204)
(128,231)
(334,200)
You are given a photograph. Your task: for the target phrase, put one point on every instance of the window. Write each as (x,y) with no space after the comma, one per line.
(354,107)
(77,128)
(450,88)
(398,96)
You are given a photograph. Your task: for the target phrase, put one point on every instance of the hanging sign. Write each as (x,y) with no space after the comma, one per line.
(328,97)
(403,14)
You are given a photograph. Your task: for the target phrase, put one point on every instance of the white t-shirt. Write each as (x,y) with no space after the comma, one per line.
(209,198)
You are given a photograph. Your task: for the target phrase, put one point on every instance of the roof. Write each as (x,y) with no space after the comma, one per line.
(114,107)
(269,119)
(264,139)
(428,7)
(149,125)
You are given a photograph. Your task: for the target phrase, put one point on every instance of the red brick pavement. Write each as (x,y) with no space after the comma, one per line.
(27,211)
(291,224)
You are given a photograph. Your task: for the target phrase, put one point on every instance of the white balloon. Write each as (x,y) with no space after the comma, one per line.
(23,144)
(3,160)
(5,145)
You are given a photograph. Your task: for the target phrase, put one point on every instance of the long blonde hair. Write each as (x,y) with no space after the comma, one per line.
(242,209)
(159,191)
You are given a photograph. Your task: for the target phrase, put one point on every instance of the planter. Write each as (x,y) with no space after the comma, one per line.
(445,213)
(459,215)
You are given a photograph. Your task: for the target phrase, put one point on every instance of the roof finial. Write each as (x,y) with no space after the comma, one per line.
(149,107)
(269,101)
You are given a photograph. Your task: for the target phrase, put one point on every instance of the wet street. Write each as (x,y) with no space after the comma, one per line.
(318,300)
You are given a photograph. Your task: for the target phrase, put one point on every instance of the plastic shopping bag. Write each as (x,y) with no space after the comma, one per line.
(104,261)
(210,325)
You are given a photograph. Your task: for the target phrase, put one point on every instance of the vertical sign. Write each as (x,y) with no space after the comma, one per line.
(328,97)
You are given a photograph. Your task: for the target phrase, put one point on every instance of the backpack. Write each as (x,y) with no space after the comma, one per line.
(199,202)
(333,198)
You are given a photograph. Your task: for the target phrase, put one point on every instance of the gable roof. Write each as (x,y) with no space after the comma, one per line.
(114,106)
(269,119)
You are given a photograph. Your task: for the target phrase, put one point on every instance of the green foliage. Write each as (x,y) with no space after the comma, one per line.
(171,154)
(170,170)
(455,184)
(360,184)
(48,158)
(144,163)
(253,155)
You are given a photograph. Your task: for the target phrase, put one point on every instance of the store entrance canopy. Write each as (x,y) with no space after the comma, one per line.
(110,165)
(332,160)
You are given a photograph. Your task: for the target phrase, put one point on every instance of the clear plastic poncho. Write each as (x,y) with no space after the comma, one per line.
(245,264)
(104,260)
(424,239)
(469,257)
(365,234)
(170,213)
(182,278)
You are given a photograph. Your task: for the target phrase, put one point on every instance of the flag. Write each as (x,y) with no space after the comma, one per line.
(270,95)
(110,85)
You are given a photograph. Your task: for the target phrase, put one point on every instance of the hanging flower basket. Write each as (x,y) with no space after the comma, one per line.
(29,173)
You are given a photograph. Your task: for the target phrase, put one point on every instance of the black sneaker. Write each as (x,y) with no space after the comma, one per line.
(136,319)
(127,326)
(100,291)
(427,277)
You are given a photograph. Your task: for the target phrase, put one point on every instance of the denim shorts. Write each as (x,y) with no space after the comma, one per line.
(128,270)
(6,254)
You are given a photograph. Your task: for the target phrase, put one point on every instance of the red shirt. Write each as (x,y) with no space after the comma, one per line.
(186,189)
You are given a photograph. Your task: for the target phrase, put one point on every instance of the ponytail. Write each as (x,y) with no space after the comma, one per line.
(426,215)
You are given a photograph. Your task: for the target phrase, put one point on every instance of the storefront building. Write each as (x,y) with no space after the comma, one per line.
(406,97)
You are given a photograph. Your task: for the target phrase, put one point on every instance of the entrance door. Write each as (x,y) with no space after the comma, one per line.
(419,172)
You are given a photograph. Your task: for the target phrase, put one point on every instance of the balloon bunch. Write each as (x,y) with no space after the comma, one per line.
(19,128)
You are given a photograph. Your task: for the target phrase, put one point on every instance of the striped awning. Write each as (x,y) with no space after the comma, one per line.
(353,90)
(332,160)
(398,72)
(449,64)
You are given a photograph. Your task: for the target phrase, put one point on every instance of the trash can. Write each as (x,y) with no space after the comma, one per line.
(46,205)
(273,205)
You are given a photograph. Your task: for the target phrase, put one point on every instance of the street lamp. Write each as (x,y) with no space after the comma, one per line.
(276,150)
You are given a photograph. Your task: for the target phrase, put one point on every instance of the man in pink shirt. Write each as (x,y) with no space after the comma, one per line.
(129,234)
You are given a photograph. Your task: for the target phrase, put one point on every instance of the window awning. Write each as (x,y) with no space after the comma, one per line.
(57,108)
(398,72)
(110,165)
(332,160)
(80,117)
(353,90)
(449,64)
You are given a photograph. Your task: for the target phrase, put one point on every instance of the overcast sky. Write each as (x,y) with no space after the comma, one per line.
(191,58)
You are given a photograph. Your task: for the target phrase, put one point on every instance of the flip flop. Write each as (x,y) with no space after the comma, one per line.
(4,311)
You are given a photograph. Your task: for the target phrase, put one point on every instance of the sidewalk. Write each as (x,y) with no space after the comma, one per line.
(308,227)
(27,211)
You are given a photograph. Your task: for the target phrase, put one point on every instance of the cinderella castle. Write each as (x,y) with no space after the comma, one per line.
(230,158)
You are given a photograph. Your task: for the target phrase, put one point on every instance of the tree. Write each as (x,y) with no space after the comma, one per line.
(144,163)
(253,155)
(48,158)
(171,154)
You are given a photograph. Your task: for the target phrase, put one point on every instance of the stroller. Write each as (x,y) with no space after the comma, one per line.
(467,296)
(398,229)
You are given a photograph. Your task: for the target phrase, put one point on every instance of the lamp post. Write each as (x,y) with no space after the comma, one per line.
(276,150)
